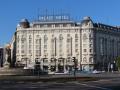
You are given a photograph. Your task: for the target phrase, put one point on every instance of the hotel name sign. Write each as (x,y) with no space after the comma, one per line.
(54,18)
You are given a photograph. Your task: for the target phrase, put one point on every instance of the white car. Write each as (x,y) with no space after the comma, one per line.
(57,73)
(96,72)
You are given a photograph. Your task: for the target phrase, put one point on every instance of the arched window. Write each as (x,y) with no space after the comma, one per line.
(68,35)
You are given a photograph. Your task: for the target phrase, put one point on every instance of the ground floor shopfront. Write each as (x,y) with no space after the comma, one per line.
(61,65)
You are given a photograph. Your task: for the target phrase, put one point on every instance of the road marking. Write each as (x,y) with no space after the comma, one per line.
(94,86)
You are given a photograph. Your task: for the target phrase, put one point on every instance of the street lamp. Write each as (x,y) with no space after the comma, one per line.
(114,65)
(103,68)
(109,67)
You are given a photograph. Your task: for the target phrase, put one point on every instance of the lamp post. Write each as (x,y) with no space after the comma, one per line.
(103,63)
(114,65)
(109,67)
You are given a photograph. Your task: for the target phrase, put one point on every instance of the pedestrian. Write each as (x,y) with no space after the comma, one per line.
(111,66)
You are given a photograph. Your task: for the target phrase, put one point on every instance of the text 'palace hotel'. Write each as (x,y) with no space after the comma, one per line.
(54,40)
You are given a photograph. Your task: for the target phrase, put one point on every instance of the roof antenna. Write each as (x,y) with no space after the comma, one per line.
(38,14)
(53,14)
(46,14)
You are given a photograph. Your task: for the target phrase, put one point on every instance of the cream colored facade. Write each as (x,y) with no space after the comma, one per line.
(55,43)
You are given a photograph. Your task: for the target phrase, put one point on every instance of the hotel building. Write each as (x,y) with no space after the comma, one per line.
(53,41)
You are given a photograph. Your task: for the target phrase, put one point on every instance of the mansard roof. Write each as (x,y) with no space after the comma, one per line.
(100,25)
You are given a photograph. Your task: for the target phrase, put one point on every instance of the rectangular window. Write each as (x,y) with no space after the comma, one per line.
(91,40)
(17,51)
(45,26)
(37,41)
(37,47)
(45,61)
(90,50)
(22,51)
(85,50)
(61,25)
(68,25)
(53,25)
(45,46)
(76,45)
(22,46)
(30,41)
(18,40)
(22,41)
(91,45)
(30,46)
(76,40)
(29,51)
(64,25)
(37,52)
(17,46)
(76,50)
(84,45)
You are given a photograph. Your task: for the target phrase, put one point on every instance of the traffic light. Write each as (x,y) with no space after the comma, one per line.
(75,66)
(74,59)
(75,62)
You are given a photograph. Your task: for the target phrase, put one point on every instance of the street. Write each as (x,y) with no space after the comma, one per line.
(102,84)
(103,81)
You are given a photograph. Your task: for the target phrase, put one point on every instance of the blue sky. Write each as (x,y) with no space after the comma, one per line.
(12,11)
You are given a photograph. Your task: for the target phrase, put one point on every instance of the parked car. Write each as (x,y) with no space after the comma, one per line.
(58,73)
(96,72)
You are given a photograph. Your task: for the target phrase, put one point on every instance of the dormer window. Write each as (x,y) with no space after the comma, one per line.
(68,25)
(61,25)
(45,25)
(53,25)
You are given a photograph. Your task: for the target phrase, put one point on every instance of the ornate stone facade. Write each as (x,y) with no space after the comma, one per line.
(54,43)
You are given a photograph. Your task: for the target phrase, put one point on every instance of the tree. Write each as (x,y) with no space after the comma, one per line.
(118,63)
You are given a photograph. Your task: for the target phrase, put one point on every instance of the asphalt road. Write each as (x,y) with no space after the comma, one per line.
(102,84)
(106,81)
